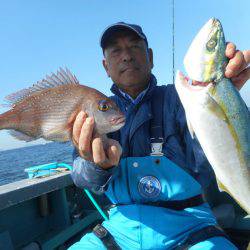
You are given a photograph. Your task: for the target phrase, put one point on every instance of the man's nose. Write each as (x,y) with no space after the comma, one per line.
(127,55)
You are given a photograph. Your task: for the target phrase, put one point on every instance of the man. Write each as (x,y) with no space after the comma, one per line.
(156,182)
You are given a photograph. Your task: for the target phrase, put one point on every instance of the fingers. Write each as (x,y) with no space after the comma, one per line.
(82,133)
(99,156)
(114,154)
(85,138)
(246,54)
(235,65)
(117,149)
(230,50)
(77,126)
(238,61)
(109,158)
(91,147)
(240,80)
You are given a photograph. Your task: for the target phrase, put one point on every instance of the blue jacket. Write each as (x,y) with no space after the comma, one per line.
(134,138)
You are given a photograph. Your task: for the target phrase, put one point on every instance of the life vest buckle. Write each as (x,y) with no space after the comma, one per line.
(156,147)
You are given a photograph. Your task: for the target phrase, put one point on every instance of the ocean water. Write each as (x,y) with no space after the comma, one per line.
(13,162)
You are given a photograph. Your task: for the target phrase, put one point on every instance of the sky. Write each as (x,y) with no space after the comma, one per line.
(38,37)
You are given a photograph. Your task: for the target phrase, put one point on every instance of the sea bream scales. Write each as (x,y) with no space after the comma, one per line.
(48,109)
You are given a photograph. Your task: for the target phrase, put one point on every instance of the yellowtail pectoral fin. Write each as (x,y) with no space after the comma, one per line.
(216,109)
(190,127)
(222,187)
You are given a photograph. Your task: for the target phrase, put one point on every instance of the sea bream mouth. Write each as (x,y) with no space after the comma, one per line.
(120,120)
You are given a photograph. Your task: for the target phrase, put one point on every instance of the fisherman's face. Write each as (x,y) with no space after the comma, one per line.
(128,61)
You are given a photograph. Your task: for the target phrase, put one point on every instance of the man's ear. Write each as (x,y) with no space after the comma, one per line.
(150,57)
(104,63)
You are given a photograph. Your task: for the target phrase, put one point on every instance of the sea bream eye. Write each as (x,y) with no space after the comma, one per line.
(103,106)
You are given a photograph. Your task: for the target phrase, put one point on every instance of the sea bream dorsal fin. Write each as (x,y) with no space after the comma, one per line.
(50,81)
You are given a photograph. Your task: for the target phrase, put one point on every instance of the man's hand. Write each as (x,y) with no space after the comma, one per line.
(92,149)
(237,68)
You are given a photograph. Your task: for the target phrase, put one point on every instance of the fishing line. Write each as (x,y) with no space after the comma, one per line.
(173,42)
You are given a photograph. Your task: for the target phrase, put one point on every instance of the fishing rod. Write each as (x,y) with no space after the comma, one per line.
(173,42)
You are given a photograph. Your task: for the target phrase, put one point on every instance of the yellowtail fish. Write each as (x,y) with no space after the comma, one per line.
(48,109)
(216,113)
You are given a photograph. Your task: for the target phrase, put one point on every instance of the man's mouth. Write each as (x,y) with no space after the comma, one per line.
(129,69)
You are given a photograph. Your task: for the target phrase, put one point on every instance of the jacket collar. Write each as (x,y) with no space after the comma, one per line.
(152,84)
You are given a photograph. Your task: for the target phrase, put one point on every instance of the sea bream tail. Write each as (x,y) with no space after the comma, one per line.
(2,122)
(20,122)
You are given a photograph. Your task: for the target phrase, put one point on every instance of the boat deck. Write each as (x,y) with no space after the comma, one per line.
(50,212)
(43,212)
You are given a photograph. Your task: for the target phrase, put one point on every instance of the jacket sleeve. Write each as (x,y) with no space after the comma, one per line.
(86,174)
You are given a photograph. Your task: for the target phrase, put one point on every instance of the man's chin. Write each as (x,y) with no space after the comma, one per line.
(130,83)
(130,80)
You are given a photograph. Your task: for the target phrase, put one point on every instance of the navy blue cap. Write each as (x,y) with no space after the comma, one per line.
(107,33)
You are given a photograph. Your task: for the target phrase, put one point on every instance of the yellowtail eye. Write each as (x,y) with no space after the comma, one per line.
(211,44)
(103,106)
